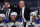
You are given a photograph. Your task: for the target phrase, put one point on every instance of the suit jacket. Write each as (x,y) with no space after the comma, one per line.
(26,13)
(4,11)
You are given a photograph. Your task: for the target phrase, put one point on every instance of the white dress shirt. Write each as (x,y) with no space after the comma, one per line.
(7,14)
(23,9)
(8,11)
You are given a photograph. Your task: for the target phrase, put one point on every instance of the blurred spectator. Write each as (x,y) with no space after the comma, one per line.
(34,17)
(14,16)
(2,19)
(23,11)
(6,10)
(17,22)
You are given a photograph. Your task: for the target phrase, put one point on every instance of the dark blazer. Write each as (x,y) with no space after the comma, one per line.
(4,11)
(26,13)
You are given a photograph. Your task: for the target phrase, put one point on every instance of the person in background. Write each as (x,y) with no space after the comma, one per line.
(15,21)
(2,19)
(14,16)
(6,10)
(23,11)
(34,18)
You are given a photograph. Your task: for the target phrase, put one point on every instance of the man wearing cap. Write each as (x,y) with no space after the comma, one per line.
(14,20)
(14,16)
(2,18)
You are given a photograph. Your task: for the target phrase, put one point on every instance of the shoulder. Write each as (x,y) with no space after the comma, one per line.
(36,21)
(6,21)
(20,20)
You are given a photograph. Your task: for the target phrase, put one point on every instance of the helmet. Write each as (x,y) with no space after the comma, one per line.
(34,13)
(2,15)
(14,13)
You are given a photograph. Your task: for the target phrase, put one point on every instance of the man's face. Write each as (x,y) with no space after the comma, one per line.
(13,17)
(6,5)
(21,4)
(1,19)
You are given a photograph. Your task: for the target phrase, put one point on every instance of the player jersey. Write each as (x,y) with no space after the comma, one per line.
(5,21)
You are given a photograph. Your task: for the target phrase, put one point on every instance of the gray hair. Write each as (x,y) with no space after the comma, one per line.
(22,2)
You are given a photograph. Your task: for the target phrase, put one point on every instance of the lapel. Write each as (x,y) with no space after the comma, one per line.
(10,13)
(9,10)
(24,10)
(4,10)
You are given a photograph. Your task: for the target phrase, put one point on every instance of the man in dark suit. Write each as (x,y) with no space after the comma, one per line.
(22,9)
(23,12)
(6,10)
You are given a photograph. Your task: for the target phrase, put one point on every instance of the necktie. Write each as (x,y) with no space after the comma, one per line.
(7,15)
(21,12)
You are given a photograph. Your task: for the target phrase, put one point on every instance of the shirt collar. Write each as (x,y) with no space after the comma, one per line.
(23,7)
(9,9)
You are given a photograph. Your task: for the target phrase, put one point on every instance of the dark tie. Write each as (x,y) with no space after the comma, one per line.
(7,15)
(21,12)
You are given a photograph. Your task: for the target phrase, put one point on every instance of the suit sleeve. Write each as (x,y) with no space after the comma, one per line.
(27,14)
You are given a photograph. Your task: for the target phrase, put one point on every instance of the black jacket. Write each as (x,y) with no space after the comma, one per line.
(4,12)
(26,13)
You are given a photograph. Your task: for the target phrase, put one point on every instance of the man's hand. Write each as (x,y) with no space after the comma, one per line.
(3,6)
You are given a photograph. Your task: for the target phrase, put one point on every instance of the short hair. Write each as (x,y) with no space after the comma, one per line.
(7,2)
(22,2)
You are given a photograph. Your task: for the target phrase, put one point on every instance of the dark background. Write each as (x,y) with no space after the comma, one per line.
(29,3)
